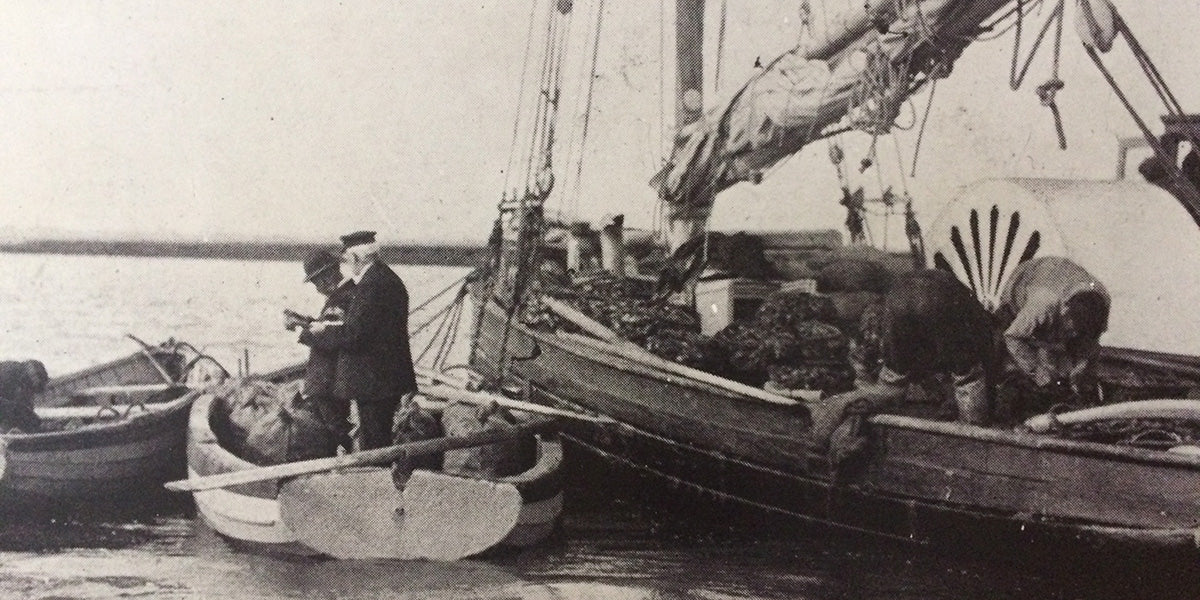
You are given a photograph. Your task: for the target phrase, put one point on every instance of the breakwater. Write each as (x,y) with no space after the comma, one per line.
(455,255)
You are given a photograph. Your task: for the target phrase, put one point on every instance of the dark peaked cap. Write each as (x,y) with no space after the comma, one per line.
(358,238)
(317,262)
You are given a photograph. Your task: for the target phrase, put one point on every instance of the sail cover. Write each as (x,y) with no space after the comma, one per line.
(861,69)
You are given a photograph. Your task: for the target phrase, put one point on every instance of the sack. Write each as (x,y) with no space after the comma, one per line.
(850,307)
(853,275)
(414,424)
(787,309)
(289,431)
(242,403)
(494,460)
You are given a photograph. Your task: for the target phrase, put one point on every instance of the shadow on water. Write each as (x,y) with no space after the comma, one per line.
(688,539)
(112,523)
(623,536)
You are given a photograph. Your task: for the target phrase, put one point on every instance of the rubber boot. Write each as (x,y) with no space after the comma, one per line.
(970,394)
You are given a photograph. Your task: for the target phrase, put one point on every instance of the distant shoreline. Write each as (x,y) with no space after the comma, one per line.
(453,255)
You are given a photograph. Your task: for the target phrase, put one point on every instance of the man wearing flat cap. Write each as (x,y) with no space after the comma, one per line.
(321,269)
(374,366)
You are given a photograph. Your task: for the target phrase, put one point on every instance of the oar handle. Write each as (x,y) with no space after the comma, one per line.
(359,459)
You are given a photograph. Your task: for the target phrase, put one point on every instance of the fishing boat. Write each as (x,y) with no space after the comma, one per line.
(360,513)
(919,479)
(109,429)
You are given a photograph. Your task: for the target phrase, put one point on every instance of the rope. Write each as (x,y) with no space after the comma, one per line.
(720,58)
(1015,79)
(900,163)
(1047,91)
(457,283)
(512,148)
(587,109)
(1190,203)
(1152,73)
(1156,79)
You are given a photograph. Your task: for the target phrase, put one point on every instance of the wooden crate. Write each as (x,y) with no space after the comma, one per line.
(722,301)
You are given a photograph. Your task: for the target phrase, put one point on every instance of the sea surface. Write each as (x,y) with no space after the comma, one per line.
(618,539)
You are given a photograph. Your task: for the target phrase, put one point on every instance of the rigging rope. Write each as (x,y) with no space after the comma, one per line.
(576,151)
(720,58)
(1046,91)
(921,131)
(521,92)
(1192,207)
(587,107)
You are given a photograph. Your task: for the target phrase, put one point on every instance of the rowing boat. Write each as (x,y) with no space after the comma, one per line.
(108,429)
(360,512)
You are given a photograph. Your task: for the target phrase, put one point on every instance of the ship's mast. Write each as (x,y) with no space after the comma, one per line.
(689,65)
(689,103)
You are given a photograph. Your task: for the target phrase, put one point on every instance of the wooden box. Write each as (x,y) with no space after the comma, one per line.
(723,301)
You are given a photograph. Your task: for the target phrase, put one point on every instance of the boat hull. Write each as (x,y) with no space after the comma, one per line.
(921,480)
(256,516)
(100,460)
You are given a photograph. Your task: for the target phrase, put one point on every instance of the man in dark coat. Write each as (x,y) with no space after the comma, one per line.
(374,367)
(19,383)
(321,269)
(930,324)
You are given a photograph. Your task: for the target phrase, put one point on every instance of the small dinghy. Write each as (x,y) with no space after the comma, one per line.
(359,512)
(109,429)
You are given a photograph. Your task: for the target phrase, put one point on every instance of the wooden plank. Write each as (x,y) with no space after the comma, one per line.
(1038,442)
(990,477)
(614,344)
(59,413)
(357,459)
(482,398)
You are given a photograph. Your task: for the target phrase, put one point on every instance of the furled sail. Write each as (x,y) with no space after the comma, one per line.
(861,68)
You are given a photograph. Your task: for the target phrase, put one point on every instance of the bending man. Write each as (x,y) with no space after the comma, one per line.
(930,324)
(374,367)
(1055,312)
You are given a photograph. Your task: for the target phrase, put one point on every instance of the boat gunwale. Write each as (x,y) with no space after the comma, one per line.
(961,430)
(68,379)
(164,411)
(546,468)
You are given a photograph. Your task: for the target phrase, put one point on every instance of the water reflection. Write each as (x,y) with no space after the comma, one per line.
(617,552)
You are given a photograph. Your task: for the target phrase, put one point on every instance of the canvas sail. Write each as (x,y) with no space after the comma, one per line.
(860,69)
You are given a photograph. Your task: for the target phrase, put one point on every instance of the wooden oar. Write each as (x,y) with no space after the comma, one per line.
(134,388)
(448,392)
(358,459)
(146,351)
(1173,408)
(440,377)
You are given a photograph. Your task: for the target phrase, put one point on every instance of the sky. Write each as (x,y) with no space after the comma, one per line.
(305,120)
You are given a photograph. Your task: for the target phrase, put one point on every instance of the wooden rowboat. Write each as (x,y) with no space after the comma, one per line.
(109,429)
(359,512)
(920,480)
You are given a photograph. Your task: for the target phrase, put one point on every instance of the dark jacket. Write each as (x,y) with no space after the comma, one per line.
(17,391)
(933,324)
(321,370)
(374,359)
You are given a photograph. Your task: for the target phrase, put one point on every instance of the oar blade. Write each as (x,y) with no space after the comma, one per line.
(359,514)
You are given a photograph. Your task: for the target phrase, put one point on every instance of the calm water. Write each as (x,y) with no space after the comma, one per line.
(73,311)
